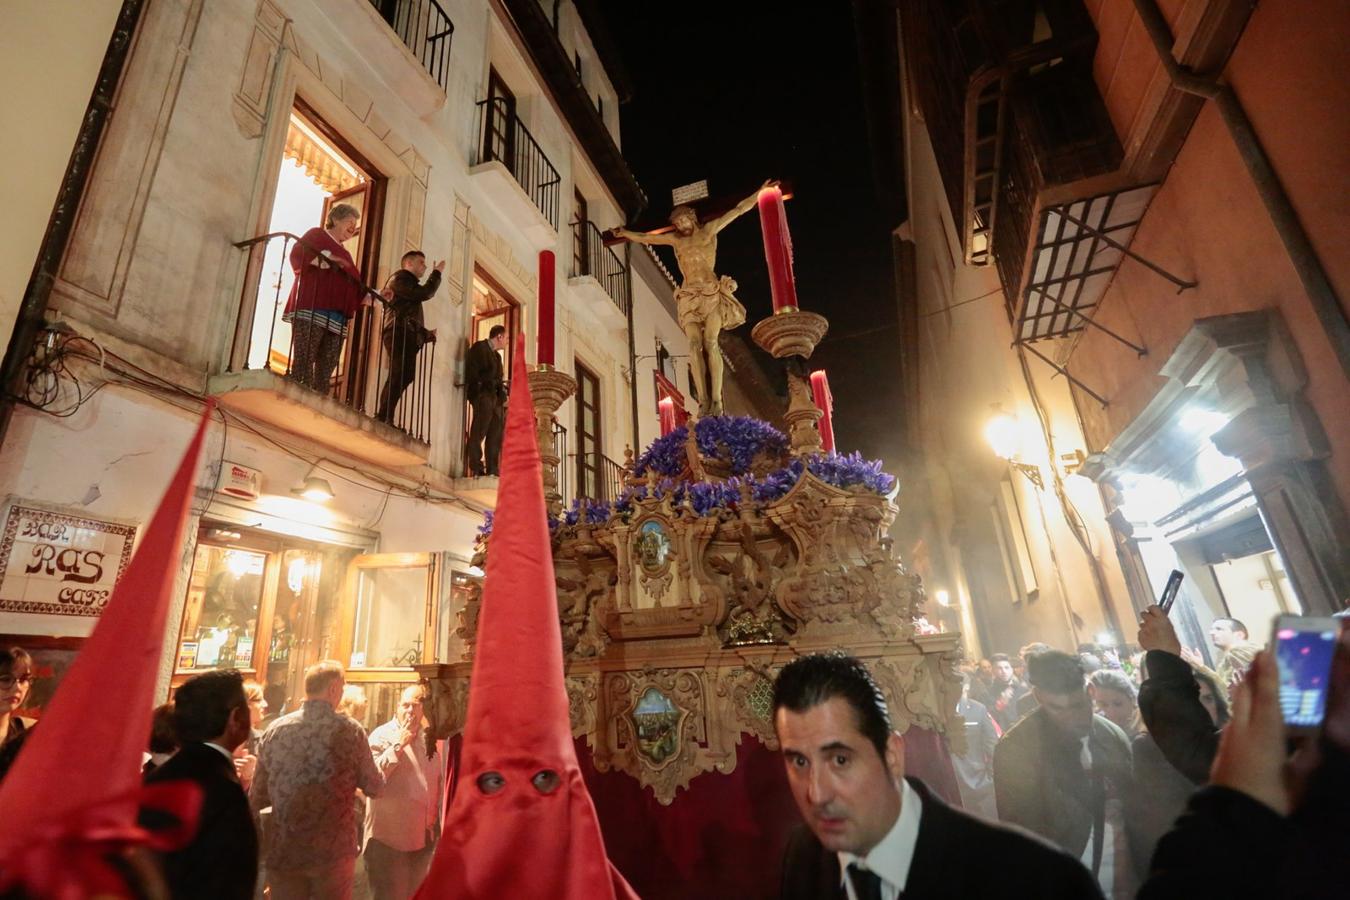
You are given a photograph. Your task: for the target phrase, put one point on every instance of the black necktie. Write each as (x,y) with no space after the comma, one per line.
(866,884)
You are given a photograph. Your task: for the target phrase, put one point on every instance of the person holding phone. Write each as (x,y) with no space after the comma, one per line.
(1169,700)
(1279,822)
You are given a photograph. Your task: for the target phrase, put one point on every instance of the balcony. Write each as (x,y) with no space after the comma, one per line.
(599,276)
(294,371)
(598,477)
(425,30)
(406,41)
(558,69)
(1017,123)
(516,175)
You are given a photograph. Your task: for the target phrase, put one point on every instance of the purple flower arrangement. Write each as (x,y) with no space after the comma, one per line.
(851,471)
(739,440)
(736,440)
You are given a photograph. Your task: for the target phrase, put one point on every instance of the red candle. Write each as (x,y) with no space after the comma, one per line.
(666,408)
(777,249)
(820,392)
(546,311)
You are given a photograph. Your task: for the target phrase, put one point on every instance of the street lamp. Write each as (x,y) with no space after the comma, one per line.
(1004,436)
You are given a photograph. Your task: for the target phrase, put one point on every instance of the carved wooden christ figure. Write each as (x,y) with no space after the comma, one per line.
(707,303)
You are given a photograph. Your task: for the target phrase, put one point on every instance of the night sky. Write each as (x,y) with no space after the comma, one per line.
(738,91)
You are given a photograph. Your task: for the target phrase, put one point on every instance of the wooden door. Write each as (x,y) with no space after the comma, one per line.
(589,483)
(581,257)
(499,135)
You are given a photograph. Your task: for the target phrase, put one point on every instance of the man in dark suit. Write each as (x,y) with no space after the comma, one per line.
(211,718)
(874,834)
(485,383)
(404,327)
(1067,775)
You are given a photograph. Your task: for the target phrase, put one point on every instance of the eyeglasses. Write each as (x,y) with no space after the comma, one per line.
(7,682)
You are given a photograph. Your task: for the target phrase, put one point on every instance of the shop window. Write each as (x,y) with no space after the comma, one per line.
(220,620)
(264,604)
(390,610)
(464,586)
(386,612)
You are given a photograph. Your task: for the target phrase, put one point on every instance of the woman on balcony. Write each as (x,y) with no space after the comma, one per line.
(326,294)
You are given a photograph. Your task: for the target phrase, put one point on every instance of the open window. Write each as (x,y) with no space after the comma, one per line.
(317,171)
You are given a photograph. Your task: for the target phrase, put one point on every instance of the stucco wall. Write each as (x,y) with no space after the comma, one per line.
(1207,221)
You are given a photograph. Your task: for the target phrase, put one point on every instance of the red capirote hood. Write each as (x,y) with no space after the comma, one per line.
(521,823)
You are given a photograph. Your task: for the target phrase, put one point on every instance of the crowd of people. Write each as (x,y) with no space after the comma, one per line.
(1123,776)
(288,805)
(1099,751)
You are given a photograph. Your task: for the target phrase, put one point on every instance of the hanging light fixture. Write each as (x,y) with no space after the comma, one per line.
(1004,435)
(314,488)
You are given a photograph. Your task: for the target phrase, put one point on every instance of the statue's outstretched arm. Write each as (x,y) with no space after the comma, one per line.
(641,237)
(739,209)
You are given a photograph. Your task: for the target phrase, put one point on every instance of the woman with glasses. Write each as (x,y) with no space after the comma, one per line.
(16,676)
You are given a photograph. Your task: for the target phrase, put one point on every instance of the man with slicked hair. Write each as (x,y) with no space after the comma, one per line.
(874,834)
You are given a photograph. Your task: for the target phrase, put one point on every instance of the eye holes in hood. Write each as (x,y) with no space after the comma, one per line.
(490,783)
(546,781)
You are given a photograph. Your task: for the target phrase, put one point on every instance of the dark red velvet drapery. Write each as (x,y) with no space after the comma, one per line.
(724,836)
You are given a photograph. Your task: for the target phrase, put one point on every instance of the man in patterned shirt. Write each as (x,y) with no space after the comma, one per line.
(310,764)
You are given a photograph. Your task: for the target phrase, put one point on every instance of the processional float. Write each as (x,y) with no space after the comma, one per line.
(731,548)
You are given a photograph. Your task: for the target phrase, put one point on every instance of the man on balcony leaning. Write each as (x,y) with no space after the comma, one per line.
(404,330)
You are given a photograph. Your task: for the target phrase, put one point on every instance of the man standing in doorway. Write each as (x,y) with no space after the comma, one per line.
(1236,650)
(484,380)
(310,764)
(404,326)
(403,823)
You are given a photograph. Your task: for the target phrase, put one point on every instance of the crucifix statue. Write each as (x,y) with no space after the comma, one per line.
(706,303)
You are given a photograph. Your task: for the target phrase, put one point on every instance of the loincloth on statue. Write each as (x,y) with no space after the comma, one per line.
(696,302)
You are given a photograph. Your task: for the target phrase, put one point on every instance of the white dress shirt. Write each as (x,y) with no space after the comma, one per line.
(891,857)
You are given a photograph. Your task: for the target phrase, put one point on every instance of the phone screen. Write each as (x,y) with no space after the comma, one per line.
(1304,658)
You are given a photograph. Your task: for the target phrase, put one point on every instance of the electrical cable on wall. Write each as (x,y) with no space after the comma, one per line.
(1072,517)
(51,377)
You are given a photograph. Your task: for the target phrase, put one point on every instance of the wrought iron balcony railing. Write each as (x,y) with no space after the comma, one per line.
(598,476)
(371,347)
(591,257)
(425,30)
(504,138)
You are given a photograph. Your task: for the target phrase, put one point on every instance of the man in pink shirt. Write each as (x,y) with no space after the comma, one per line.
(403,822)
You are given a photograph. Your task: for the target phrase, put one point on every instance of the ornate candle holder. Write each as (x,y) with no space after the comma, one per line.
(792,335)
(549,388)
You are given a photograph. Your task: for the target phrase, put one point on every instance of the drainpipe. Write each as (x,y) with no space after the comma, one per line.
(33,307)
(1310,270)
(632,343)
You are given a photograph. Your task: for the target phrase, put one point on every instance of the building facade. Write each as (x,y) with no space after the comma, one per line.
(480,133)
(1118,263)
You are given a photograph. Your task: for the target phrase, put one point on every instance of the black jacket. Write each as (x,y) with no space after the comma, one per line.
(956,856)
(222,860)
(1232,846)
(483,375)
(409,295)
(1169,704)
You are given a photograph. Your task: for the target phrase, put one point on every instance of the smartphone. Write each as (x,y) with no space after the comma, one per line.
(1304,648)
(1169,594)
